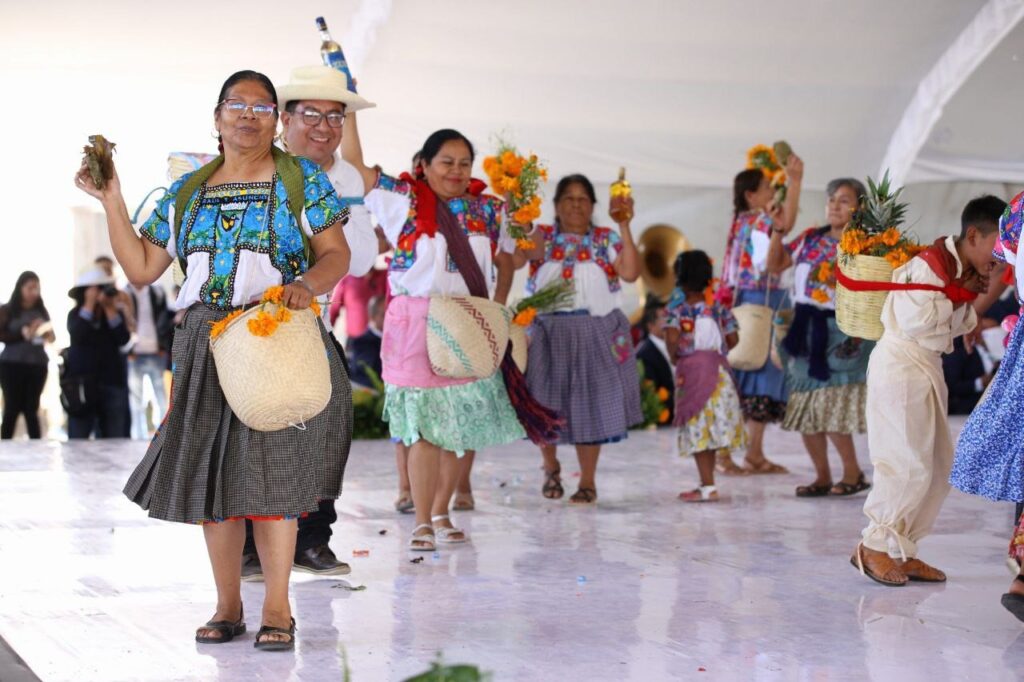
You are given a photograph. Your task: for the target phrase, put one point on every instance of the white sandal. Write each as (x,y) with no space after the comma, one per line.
(422,543)
(444,535)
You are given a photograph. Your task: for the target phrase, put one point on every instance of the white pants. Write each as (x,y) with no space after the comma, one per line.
(911,448)
(140,367)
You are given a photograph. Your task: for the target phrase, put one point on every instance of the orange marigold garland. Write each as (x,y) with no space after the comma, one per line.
(265,323)
(518,180)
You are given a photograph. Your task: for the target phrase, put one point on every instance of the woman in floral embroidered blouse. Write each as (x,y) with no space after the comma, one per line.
(826,370)
(570,368)
(239,235)
(440,418)
(763,391)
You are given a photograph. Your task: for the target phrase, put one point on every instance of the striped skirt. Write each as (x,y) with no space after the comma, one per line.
(584,368)
(205,465)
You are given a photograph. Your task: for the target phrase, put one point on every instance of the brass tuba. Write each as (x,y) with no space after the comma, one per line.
(658,246)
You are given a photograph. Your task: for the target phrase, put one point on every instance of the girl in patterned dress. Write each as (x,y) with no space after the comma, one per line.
(989,457)
(826,369)
(744,272)
(699,333)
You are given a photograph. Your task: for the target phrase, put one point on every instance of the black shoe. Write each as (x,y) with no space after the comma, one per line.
(321,561)
(251,569)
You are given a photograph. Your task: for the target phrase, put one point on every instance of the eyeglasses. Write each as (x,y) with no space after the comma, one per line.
(237,107)
(312,118)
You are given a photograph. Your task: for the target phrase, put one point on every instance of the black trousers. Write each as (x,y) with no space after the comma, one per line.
(22,384)
(315,528)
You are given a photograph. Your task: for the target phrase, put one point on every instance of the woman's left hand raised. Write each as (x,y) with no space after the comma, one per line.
(297,295)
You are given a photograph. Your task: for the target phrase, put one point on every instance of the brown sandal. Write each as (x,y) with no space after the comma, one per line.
(725,466)
(583,497)
(763,467)
(920,572)
(857,561)
(552,488)
(464,502)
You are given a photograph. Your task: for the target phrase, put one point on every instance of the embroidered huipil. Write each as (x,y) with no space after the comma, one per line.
(421,265)
(814,260)
(746,252)
(701,327)
(1006,248)
(238,239)
(586,260)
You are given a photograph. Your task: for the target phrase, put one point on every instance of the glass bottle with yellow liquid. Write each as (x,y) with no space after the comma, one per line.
(621,208)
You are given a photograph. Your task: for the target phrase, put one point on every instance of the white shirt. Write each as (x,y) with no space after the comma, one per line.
(926,318)
(146,342)
(428,273)
(362,240)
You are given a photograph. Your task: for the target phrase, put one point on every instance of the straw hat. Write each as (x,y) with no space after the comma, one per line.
(93,277)
(320,82)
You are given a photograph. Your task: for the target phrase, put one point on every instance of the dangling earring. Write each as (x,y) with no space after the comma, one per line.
(215,134)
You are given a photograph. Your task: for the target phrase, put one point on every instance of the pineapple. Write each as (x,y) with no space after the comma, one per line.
(880,209)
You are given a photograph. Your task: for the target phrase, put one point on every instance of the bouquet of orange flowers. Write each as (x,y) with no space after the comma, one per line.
(555,296)
(770,161)
(517,178)
(874,228)
(265,323)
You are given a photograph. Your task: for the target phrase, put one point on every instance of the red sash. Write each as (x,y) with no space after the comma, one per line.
(941,262)
(426,207)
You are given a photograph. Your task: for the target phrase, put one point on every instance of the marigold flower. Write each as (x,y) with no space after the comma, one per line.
(283,314)
(820,295)
(663,417)
(263,324)
(273,295)
(315,307)
(891,237)
(525,244)
(662,394)
(525,317)
(825,272)
(217,328)
(897,258)
(852,241)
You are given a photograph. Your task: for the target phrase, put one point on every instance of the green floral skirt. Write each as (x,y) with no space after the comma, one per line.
(457,418)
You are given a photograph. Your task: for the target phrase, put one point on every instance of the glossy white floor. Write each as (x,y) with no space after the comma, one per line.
(642,588)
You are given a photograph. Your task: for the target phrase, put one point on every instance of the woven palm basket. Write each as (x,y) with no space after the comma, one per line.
(466,336)
(859,313)
(273,382)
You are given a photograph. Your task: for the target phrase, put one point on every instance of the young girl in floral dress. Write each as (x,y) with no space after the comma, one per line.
(699,333)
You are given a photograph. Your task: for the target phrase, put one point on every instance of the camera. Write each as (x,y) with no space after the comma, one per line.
(110,291)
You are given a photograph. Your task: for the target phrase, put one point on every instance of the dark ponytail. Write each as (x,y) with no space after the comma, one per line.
(745,181)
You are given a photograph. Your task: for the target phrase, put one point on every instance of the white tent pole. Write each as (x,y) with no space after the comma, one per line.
(362,33)
(992,23)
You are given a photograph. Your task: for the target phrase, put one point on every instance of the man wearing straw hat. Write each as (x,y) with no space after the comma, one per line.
(314,102)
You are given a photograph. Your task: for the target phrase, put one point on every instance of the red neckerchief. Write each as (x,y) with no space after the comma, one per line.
(944,264)
(426,206)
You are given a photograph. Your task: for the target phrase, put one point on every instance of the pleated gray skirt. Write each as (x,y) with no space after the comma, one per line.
(205,465)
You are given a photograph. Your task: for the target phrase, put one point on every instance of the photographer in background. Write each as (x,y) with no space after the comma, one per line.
(94,381)
(151,345)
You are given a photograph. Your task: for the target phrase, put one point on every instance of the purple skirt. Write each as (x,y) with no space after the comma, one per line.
(584,368)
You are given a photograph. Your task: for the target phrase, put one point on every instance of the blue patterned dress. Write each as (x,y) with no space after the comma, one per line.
(990,452)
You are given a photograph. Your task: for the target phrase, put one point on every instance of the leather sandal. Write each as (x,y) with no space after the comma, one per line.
(857,561)
(920,572)
(844,489)
(763,467)
(724,465)
(275,644)
(584,497)
(227,629)
(813,490)
(552,488)
(1014,603)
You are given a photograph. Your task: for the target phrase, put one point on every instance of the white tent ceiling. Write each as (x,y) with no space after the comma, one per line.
(674,90)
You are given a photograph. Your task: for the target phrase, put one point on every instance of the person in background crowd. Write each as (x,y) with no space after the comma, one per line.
(148,356)
(124,301)
(354,293)
(967,374)
(653,351)
(95,362)
(364,350)
(25,329)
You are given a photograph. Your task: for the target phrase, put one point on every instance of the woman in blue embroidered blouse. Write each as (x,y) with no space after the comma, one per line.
(238,236)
